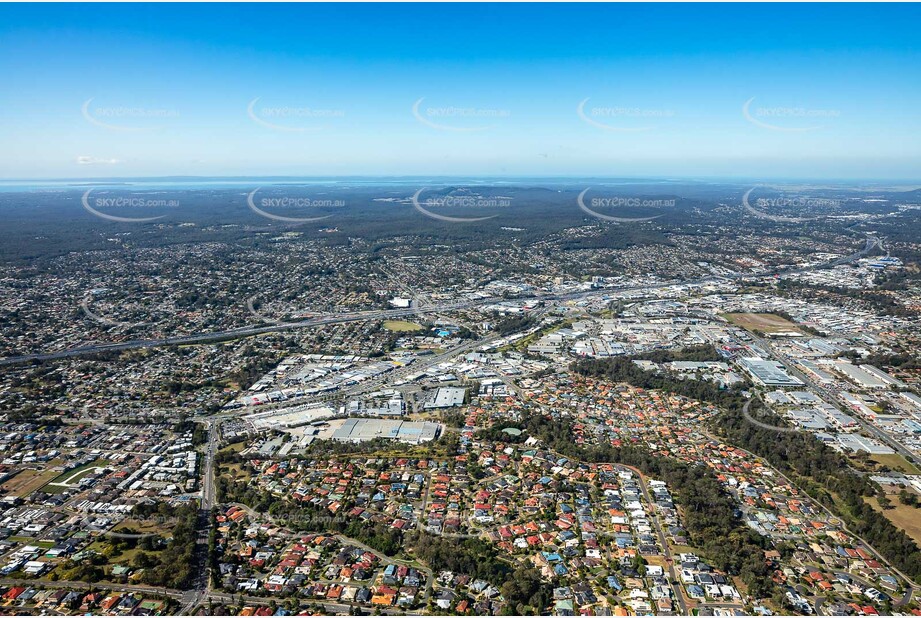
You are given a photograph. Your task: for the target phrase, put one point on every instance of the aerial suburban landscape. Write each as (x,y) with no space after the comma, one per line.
(313,386)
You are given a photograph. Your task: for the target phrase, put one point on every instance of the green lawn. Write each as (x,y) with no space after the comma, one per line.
(400,326)
(28,540)
(234,447)
(896,462)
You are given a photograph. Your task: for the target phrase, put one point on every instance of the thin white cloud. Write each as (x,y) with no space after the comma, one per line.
(88,160)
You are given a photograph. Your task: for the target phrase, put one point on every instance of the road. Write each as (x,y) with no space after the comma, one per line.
(830,396)
(381,314)
(196,597)
(429,575)
(201,584)
(748,417)
(207,492)
(80,585)
(189,599)
(663,541)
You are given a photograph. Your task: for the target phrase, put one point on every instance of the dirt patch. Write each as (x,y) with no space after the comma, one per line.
(908,518)
(27,481)
(763,322)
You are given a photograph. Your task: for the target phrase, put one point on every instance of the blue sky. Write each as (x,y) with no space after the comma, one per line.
(96,90)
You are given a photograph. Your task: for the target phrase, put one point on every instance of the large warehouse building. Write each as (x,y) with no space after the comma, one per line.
(364,429)
(768,373)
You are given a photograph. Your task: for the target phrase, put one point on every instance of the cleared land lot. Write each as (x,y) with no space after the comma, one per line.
(898,463)
(235,447)
(908,518)
(762,322)
(27,481)
(153,525)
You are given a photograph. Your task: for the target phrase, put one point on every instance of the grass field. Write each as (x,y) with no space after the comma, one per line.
(28,540)
(71,478)
(683,549)
(762,322)
(124,557)
(908,518)
(236,471)
(400,326)
(27,481)
(896,462)
(234,447)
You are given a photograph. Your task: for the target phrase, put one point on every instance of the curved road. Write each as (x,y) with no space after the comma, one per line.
(753,421)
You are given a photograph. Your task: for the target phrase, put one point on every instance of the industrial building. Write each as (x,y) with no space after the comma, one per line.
(445,397)
(859,376)
(363,429)
(768,373)
(393,407)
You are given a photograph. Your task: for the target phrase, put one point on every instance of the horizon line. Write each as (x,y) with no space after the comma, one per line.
(544,177)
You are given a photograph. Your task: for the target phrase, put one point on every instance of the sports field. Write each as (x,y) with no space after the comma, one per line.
(400,326)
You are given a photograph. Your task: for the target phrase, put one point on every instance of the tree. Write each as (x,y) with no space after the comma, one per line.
(908,498)
(142,560)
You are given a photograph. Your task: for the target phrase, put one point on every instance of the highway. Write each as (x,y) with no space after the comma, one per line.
(381,314)
(208,466)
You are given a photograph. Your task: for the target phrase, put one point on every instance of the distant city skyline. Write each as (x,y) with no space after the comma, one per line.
(653,91)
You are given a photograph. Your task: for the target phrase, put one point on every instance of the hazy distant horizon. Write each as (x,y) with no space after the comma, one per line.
(454,178)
